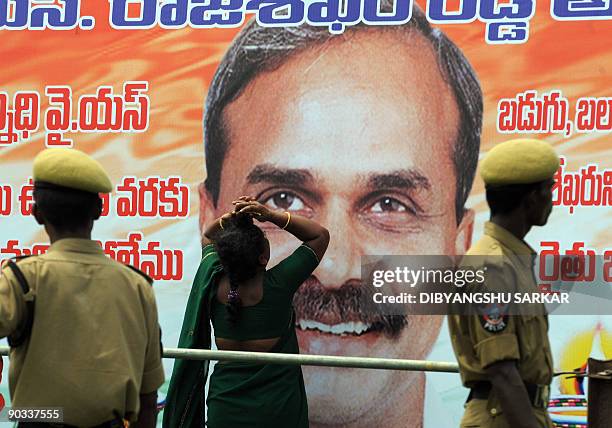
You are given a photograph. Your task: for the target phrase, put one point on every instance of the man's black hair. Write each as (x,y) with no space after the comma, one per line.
(66,209)
(505,199)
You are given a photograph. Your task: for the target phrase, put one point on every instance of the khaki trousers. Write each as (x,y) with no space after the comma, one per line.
(478,414)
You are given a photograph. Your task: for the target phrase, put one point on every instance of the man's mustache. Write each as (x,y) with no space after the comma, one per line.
(351,302)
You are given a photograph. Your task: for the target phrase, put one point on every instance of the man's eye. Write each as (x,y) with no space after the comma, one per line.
(386,205)
(284,201)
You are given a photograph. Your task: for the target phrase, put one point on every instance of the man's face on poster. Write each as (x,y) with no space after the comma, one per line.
(357,135)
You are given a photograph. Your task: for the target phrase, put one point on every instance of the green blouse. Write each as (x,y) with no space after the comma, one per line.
(270,316)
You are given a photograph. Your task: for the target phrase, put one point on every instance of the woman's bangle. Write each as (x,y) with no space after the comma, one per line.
(288,220)
(221,223)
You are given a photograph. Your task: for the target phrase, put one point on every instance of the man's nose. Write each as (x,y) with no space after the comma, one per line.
(342,261)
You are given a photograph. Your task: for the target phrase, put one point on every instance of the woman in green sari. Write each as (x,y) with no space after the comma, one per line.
(250,309)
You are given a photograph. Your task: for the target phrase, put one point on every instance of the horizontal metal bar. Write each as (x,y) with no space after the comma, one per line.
(313,360)
(305,360)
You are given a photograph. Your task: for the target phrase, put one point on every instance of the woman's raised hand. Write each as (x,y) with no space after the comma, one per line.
(250,206)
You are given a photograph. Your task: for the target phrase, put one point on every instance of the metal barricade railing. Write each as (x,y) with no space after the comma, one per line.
(324,360)
(305,360)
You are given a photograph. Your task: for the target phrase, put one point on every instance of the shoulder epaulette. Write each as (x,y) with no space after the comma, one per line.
(141,273)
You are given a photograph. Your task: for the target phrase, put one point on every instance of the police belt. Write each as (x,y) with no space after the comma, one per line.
(538,394)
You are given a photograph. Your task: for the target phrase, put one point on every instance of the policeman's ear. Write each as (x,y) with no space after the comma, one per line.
(207,207)
(38,215)
(465,230)
(532,199)
(97,210)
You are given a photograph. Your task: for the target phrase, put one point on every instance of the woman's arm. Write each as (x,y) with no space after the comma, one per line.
(213,228)
(308,231)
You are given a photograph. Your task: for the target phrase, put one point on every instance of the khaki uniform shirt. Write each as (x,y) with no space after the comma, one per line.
(478,341)
(95,341)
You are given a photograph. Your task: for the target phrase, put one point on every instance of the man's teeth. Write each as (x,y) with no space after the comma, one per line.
(340,329)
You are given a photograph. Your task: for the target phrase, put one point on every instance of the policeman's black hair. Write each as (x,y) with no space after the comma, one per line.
(66,209)
(239,246)
(259,49)
(505,199)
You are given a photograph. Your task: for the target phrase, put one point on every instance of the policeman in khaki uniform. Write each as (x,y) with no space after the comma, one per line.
(83,329)
(504,359)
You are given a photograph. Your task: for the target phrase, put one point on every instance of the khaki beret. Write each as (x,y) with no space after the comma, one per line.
(71,168)
(520,161)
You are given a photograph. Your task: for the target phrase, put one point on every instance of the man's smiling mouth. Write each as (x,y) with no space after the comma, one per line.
(341,329)
(346,311)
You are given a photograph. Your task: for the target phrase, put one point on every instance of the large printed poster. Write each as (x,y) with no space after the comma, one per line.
(369,116)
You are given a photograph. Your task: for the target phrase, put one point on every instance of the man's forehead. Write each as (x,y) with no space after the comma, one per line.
(357,60)
(368,54)
(372,76)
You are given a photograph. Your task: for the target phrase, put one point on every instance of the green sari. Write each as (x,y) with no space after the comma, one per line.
(240,394)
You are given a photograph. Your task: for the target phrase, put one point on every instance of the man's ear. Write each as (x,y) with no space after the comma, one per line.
(532,199)
(531,205)
(98,209)
(207,208)
(37,215)
(465,230)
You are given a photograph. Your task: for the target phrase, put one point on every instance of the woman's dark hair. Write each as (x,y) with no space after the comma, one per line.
(239,245)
